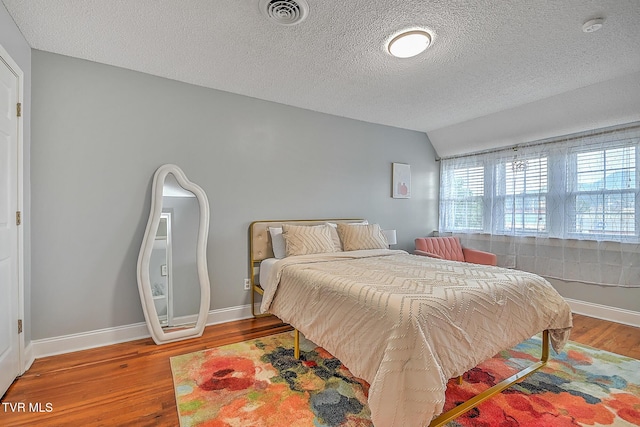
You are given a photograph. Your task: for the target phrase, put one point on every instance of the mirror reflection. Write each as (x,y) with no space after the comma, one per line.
(159,268)
(173,271)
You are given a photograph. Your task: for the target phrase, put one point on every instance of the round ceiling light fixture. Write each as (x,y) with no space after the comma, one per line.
(409,43)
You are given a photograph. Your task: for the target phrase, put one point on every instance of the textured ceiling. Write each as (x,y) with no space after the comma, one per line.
(487,57)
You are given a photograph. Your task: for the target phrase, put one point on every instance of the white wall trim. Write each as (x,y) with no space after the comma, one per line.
(28,358)
(605,312)
(229,314)
(91,339)
(101,337)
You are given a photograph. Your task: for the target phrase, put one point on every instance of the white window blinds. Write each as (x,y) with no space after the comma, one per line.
(521,193)
(603,192)
(462,204)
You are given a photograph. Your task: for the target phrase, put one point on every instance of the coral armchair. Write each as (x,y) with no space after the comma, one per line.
(450,248)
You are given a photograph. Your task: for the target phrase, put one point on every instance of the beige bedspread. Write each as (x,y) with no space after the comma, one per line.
(406,323)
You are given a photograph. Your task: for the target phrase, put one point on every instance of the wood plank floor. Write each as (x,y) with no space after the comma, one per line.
(130,383)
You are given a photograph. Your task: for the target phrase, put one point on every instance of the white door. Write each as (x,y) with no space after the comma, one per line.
(9,309)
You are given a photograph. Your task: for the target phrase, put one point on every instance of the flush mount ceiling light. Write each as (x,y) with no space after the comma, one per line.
(592,25)
(409,43)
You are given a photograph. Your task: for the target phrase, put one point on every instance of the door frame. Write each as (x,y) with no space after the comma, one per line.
(23,362)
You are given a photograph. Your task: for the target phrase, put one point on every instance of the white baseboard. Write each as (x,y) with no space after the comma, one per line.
(605,312)
(28,358)
(91,339)
(229,314)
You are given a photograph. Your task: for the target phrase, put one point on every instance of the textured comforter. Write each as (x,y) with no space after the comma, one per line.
(406,323)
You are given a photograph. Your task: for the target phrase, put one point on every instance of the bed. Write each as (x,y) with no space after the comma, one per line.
(405,324)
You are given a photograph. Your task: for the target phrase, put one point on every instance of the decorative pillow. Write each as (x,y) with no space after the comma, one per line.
(366,236)
(334,233)
(333,230)
(277,242)
(305,240)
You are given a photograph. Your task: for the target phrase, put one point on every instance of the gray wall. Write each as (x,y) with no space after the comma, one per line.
(612,296)
(15,44)
(100,132)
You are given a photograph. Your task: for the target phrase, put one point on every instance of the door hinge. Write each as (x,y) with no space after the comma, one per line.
(18,217)
(19,326)
(19,109)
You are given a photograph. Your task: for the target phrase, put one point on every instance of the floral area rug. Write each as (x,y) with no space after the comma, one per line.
(258,383)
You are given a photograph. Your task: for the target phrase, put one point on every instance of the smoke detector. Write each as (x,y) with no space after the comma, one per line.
(592,25)
(285,12)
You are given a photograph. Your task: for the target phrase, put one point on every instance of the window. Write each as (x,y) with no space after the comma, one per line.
(463,199)
(603,197)
(521,192)
(583,187)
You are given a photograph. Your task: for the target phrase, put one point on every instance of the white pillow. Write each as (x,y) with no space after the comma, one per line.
(277,242)
(334,225)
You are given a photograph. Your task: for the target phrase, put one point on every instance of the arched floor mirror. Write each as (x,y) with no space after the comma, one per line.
(173,278)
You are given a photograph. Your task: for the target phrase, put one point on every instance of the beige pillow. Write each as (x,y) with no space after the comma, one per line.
(334,233)
(305,240)
(334,237)
(356,237)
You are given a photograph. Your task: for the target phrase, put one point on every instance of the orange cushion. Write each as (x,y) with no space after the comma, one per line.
(446,247)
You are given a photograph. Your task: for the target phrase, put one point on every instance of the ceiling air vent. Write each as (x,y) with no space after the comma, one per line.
(285,12)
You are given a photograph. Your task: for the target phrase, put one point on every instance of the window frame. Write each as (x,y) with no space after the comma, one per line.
(560,198)
(572,194)
(500,197)
(473,199)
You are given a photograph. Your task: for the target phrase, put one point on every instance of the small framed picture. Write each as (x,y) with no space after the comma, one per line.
(401,181)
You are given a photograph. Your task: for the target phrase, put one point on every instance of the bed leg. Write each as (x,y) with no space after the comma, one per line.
(444,418)
(296,344)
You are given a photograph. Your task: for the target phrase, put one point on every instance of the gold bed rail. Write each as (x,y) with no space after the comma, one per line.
(254,262)
(451,414)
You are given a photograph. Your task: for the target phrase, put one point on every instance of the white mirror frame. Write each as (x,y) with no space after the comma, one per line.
(159,335)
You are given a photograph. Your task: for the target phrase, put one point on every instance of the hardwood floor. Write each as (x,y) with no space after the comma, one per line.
(131,384)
